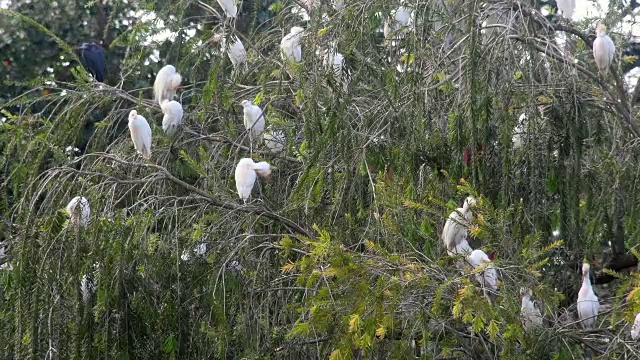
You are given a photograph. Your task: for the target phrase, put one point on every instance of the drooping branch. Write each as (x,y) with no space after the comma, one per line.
(251,209)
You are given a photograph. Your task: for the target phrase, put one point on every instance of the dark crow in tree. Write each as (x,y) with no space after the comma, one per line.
(92,57)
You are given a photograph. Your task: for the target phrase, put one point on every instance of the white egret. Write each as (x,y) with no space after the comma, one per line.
(531,316)
(603,49)
(487,276)
(237,53)
(455,229)
(274,140)
(172,119)
(253,120)
(246,174)
(290,45)
(87,288)
(566,6)
(398,23)
(519,131)
(338,4)
(335,60)
(79,211)
(229,7)
(140,134)
(588,305)
(166,84)
(635,329)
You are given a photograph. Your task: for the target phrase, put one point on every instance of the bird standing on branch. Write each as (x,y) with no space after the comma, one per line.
(246,174)
(166,84)
(92,58)
(140,134)
(588,305)
(603,49)
(173,114)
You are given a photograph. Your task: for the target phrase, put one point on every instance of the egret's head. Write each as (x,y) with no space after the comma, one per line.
(601,29)
(245,103)
(525,292)
(471,201)
(133,115)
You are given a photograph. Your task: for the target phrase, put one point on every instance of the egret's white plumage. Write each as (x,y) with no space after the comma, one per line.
(635,329)
(237,53)
(79,211)
(246,174)
(166,84)
(253,120)
(519,131)
(87,288)
(566,6)
(462,251)
(531,316)
(140,134)
(335,60)
(488,276)
(455,229)
(398,23)
(338,4)
(229,7)
(588,304)
(274,140)
(603,49)
(172,119)
(290,45)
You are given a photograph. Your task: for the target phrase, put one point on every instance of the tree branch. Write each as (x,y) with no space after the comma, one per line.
(251,209)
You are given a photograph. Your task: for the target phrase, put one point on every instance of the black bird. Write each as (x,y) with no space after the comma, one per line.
(92,57)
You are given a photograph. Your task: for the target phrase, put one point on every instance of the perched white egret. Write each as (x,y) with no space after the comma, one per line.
(172,119)
(588,305)
(519,131)
(486,276)
(336,61)
(166,84)
(229,7)
(253,120)
(398,23)
(462,248)
(274,140)
(87,288)
(290,45)
(140,134)
(566,6)
(455,229)
(338,4)
(237,53)
(603,49)
(246,174)
(635,329)
(79,211)
(531,316)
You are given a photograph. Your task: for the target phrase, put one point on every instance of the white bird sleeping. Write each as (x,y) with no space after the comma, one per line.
(79,211)
(588,304)
(237,53)
(166,84)
(253,120)
(455,229)
(172,119)
(398,23)
(603,49)
(274,140)
(246,174)
(531,316)
(290,48)
(487,276)
(566,6)
(140,134)
(635,329)
(229,7)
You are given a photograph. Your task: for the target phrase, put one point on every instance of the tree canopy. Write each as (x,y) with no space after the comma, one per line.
(339,253)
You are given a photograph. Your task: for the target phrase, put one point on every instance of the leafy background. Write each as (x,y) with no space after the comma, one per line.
(339,254)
